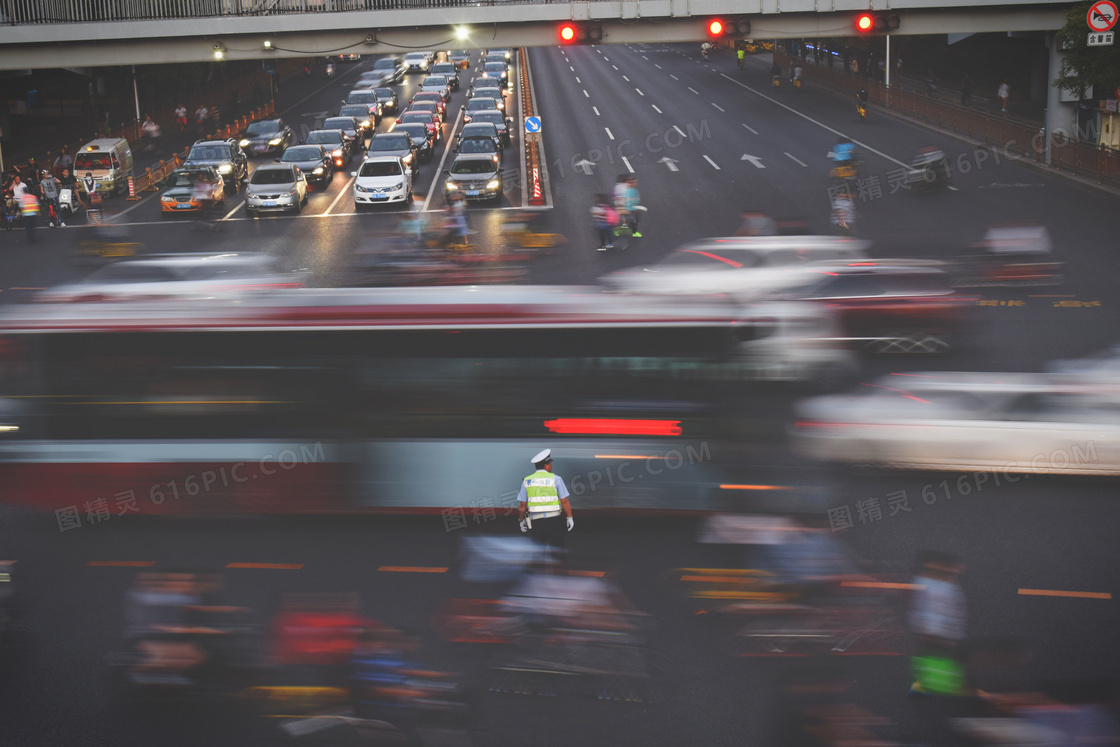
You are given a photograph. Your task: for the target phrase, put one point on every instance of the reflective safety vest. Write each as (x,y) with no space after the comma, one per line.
(541,496)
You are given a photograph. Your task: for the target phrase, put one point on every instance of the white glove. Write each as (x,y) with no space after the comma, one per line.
(571,523)
(524,526)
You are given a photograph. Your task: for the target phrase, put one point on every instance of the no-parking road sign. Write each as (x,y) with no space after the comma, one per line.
(1102,16)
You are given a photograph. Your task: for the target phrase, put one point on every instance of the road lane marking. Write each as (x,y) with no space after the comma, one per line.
(719,107)
(694,90)
(1076,594)
(585,93)
(596,110)
(588,574)
(341,192)
(883,585)
(731,486)
(714,166)
(25,288)
(639,91)
(656,109)
(411,569)
(657,66)
(267,566)
(442,160)
(673,77)
(817,122)
(578,80)
(625,79)
(605,58)
(608,129)
(628,166)
(121,563)
(679,131)
(644,57)
(953,188)
(229,215)
(571,68)
(797,160)
(753,130)
(615,67)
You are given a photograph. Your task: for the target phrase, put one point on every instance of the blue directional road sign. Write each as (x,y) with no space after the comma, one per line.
(532,125)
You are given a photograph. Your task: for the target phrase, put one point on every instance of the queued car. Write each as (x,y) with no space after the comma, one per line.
(479,104)
(175,276)
(475,177)
(438,84)
(349,57)
(382,179)
(504,52)
(479,144)
(399,144)
(428,118)
(266,137)
(496,57)
(315,161)
(353,129)
(425,143)
(361,113)
(192,189)
(276,187)
(429,97)
(460,58)
(490,92)
(224,155)
(496,71)
(369,79)
(392,68)
(502,123)
(387,97)
(416,62)
(481,129)
(964,422)
(450,71)
(336,143)
(370,98)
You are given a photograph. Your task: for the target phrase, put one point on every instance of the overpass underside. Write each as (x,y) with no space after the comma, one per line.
(72,39)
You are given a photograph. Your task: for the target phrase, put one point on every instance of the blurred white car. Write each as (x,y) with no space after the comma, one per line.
(1003,423)
(734,265)
(794,341)
(180,276)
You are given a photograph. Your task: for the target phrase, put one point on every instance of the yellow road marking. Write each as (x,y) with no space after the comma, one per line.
(752,487)
(268,566)
(1077,594)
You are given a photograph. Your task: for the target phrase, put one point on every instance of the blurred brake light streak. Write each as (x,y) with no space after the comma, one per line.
(615,427)
(903,392)
(731,262)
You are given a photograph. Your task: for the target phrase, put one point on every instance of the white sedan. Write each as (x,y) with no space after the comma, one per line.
(989,422)
(382,179)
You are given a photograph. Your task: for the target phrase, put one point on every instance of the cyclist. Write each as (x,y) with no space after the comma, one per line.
(861,103)
(740,57)
(776,73)
(704,49)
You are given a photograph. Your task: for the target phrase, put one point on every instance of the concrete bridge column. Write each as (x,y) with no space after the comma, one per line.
(1061,116)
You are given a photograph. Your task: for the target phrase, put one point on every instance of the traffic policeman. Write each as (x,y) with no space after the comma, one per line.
(542,503)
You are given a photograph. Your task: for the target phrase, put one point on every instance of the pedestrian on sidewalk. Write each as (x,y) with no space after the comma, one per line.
(966,90)
(181,117)
(1004,94)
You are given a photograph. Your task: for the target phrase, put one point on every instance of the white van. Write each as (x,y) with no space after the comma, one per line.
(109,161)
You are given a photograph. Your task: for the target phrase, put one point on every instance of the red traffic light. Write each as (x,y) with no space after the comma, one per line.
(865,22)
(715,28)
(876,23)
(579,33)
(567,33)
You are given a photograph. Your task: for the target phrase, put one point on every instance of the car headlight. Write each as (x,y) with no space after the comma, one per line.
(245,142)
(337,152)
(318,170)
(494,184)
(398,185)
(250,195)
(451,186)
(168,198)
(276,141)
(225,168)
(365,123)
(294,191)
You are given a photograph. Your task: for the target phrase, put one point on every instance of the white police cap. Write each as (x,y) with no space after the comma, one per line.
(543,456)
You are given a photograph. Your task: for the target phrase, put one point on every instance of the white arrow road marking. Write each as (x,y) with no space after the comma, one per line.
(670,163)
(796,159)
(714,165)
(753,130)
(755,161)
(587,167)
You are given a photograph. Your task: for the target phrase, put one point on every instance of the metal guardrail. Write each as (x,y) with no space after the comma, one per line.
(1022,139)
(26,12)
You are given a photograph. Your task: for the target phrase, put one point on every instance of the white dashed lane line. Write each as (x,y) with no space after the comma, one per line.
(718,107)
(585,93)
(596,110)
(673,77)
(656,109)
(628,166)
(615,67)
(753,130)
(797,160)
(714,166)
(679,131)
(658,67)
(578,80)
(694,90)
(609,133)
(625,79)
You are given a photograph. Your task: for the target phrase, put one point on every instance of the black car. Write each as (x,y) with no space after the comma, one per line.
(336,143)
(392,67)
(398,144)
(367,96)
(388,99)
(449,71)
(353,129)
(496,118)
(473,144)
(314,161)
(420,137)
(361,113)
(224,155)
(482,129)
(266,137)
